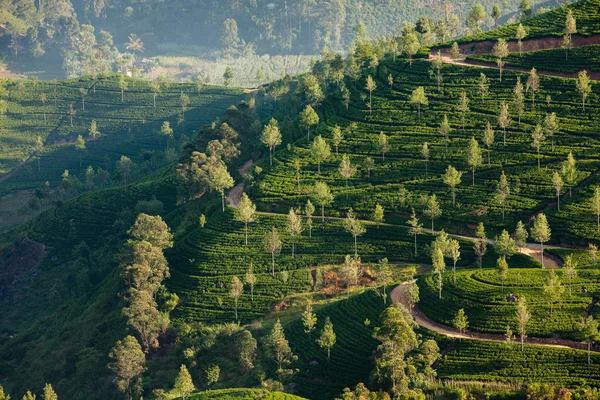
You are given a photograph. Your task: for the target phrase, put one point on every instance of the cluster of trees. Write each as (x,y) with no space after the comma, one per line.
(148,301)
(47,394)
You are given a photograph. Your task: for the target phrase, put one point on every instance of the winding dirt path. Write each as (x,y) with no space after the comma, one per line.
(398,296)
(235,194)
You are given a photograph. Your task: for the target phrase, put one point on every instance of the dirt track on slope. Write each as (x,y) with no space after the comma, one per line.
(235,194)
(421,319)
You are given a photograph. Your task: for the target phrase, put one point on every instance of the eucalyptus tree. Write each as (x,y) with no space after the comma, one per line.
(474,158)
(533,83)
(463,108)
(500,51)
(294,227)
(520,34)
(557,183)
(519,99)
(502,192)
(337,137)
(272,244)
(419,98)
(551,126)
(308,118)
(541,232)
(425,154)
(504,120)
(355,227)
(320,151)
(445,129)
(416,228)
(323,197)
(271,137)
(346,170)
(370,86)
(452,177)
(569,172)
(537,140)
(433,209)
(583,86)
(246,213)
(383,144)
(488,139)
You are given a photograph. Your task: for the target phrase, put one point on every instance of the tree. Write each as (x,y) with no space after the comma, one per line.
(384,276)
(463,107)
(294,227)
(595,206)
(488,139)
(237,288)
(412,295)
(504,119)
(278,348)
(419,98)
(519,99)
(558,184)
(569,172)
(156,89)
(346,170)
(460,321)
(355,227)
(540,232)
(345,93)
(415,227)
(166,131)
(553,289)
(476,17)
(505,245)
(452,178)
(480,244)
(383,145)
(309,319)
(151,229)
(397,338)
(523,317)
(29,396)
(143,316)
(570,24)
(437,63)
(593,249)
(432,209)
(369,164)
(309,210)
(502,268)
(312,90)
(80,146)
(551,126)
(425,155)
(123,86)
(211,374)
(391,81)
(227,76)
(370,86)
(184,101)
(337,137)
(184,385)
(533,83)
(570,271)
(590,334)
(454,251)
(474,158)
(246,213)
(93,131)
(49,393)
(323,197)
(350,272)
(445,129)
(219,180)
(439,266)
(520,235)
(246,347)
(484,85)
(128,362)
(410,45)
(229,36)
(251,280)
(72,113)
(537,140)
(320,151)
(583,86)
(83,93)
(520,35)
(500,51)
(308,118)
(272,243)
(43,99)
(39,145)
(271,137)
(327,339)
(134,44)
(496,14)
(455,52)
(378,214)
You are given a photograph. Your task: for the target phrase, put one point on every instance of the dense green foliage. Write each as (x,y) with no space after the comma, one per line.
(242,394)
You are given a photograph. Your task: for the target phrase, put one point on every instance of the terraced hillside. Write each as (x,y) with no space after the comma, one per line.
(126,127)
(401,181)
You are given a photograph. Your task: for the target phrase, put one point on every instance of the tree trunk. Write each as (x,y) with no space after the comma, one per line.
(432,230)
(355,247)
(522,341)
(415,245)
(473,176)
(273,264)
(323,214)
(293,246)
(542,243)
(489,157)
(270,156)
(346,189)
(236,314)
(246,234)
(223,201)
(589,352)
